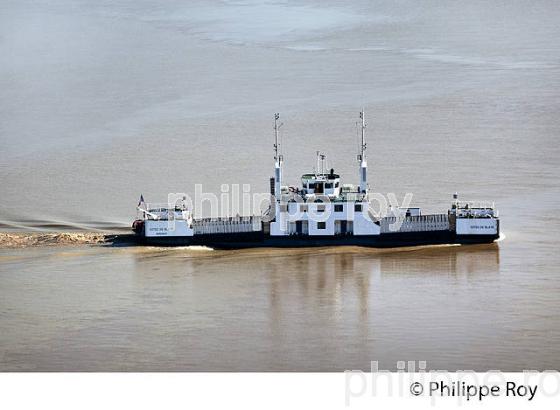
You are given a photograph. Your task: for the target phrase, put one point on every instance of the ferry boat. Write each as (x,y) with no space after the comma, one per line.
(322,212)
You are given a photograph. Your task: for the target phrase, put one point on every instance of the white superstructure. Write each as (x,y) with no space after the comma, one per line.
(323,206)
(474,218)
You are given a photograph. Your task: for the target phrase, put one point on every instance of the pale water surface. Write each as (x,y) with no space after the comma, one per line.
(104,100)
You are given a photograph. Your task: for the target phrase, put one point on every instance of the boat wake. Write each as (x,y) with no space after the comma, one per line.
(59,225)
(25,240)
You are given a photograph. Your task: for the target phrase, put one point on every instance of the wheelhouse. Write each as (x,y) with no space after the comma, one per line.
(321,184)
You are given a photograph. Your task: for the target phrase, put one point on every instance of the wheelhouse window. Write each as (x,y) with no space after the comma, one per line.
(321,225)
(357,207)
(338,208)
(320,208)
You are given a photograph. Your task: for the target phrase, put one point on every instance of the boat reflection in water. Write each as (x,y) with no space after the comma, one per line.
(322,309)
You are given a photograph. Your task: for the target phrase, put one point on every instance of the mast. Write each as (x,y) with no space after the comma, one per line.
(363,145)
(320,170)
(362,156)
(278,159)
(279,225)
(276,128)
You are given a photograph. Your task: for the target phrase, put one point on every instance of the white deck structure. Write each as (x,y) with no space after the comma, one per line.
(322,206)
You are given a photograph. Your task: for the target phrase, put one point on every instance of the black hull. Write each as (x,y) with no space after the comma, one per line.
(260,240)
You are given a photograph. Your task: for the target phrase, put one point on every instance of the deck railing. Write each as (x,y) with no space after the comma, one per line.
(436,222)
(233,224)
